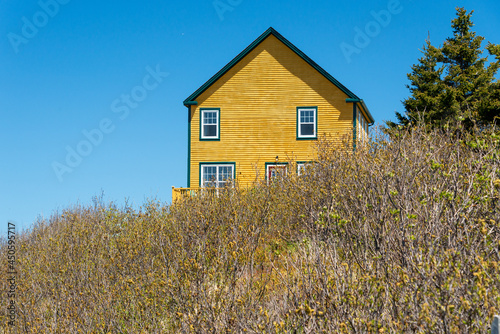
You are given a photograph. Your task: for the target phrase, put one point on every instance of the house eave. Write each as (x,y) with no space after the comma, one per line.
(364,107)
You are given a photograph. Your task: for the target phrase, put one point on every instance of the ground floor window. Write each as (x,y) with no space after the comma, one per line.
(301,167)
(275,171)
(304,166)
(215,175)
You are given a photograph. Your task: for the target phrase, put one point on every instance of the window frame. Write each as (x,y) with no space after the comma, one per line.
(303,164)
(300,136)
(202,134)
(300,166)
(275,164)
(217,165)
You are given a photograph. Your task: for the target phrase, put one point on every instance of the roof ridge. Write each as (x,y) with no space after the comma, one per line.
(253,45)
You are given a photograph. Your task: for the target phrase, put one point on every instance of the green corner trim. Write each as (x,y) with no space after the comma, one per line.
(252,46)
(316,125)
(218,124)
(189,148)
(216,163)
(191,103)
(354,125)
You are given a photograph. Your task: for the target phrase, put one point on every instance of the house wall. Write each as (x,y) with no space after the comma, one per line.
(258,98)
(361,125)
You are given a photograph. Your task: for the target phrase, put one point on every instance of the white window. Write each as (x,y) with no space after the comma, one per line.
(306,122)
(209,124)
(216,176)
(275,171)
(302,167)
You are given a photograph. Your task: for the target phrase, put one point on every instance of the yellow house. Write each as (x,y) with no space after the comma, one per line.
(266,107)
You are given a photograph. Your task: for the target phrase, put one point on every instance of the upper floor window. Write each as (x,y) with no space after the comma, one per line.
(307,122)
(209,124)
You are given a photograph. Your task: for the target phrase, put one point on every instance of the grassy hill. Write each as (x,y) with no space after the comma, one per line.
(401,235)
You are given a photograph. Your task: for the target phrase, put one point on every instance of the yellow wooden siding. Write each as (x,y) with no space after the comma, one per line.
(258,98)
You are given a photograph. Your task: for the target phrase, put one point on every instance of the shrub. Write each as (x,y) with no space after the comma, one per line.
(400,235)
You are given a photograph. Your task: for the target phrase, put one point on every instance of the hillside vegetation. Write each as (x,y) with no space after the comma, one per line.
(400,235)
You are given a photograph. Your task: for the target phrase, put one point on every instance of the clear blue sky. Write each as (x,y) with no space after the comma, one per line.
(76,66)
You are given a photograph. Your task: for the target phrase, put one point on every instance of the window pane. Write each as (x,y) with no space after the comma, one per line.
(209,117)
(307,129)
(307,116)
(275,171)
(210,131)
(209,176)
(225,173)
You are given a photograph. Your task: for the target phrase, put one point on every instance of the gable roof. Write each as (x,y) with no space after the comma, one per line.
(191,100)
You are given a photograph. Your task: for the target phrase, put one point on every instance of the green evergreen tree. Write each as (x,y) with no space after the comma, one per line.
(454,82)
(427,89)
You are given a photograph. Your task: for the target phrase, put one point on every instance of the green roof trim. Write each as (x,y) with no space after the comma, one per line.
(364,107)
(192,98)
(354,132)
